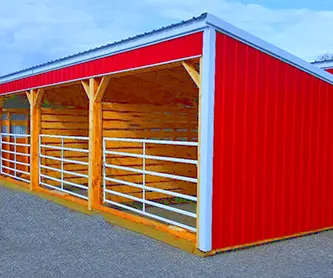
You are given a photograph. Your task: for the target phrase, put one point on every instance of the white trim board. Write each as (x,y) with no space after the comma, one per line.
(205,195)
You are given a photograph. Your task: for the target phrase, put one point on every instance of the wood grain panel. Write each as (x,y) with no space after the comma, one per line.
(159,122)
(65,122)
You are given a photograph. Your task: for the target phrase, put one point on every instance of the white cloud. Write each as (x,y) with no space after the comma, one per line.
(36,31)
(43,30)
(305,33)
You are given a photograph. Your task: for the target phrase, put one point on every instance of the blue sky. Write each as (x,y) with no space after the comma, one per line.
(294,4)
(37,31)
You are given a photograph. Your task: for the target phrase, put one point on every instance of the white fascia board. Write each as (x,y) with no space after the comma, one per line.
(266,47)
(206,140)
(145,40)
(324,65)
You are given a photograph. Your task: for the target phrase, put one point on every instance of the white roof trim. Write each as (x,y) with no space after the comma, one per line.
(324,64)
(264,46)
(206,145)
(168,34)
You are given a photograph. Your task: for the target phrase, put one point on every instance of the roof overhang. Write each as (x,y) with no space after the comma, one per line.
(174,31)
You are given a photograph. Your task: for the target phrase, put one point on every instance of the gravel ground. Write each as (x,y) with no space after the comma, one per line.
(41,239)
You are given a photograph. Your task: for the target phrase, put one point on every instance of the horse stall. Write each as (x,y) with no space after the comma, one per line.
(150,144)
(63,140)
(15,137)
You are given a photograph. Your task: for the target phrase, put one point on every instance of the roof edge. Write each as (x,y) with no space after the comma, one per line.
(268,48)
(172,31)
(324,64)
(180,29)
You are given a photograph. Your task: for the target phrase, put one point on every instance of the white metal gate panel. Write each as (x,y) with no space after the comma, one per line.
(13,154)
(143,186)
(62,159)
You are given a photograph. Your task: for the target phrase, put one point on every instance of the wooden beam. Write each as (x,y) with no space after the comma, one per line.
(95,141)
(147,69)
(35,98)
(28,96)
(102,88)
(192,72)
(93,87)
(85,85)
(2,102)
(39,97)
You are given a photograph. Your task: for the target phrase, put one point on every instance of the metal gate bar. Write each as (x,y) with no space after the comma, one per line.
(61,170)
(143,185)
(15,153)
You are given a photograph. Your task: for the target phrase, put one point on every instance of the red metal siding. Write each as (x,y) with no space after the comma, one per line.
(330,70)
(273,157)
(179,48)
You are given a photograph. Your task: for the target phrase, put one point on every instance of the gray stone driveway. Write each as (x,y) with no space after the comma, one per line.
(41,239)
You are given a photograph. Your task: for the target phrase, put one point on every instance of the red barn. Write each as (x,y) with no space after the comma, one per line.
(199,130)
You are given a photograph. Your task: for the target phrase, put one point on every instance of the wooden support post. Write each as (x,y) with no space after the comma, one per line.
(35,98)
(197,79)
(2,101)
(95,91)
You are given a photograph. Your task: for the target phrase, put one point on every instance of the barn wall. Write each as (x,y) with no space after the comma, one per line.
(147,121)
(273,155)
(65,122)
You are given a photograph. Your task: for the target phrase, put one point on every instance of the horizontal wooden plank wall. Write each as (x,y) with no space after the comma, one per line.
(65,122)
(160,122)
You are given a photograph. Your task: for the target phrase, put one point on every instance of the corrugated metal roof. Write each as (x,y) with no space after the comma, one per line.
(186,27)
(328,64)
(200,17)
(320,62)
